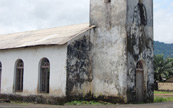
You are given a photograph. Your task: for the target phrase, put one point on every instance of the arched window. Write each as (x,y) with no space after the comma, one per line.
(139,65)
(0,74)
(19,76)
(44,75)
(107,1)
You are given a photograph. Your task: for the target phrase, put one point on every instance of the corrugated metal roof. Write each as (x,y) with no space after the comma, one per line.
(53,36)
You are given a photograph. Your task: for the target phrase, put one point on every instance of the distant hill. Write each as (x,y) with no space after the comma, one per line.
(163,48)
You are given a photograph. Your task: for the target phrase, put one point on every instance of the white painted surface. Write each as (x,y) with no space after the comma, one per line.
(109,47)
(31,58)
(109,66)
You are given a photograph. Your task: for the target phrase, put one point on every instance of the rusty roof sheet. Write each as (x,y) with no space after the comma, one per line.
(52,36)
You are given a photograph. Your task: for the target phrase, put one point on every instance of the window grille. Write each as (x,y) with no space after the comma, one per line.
(44,75)
(19,76)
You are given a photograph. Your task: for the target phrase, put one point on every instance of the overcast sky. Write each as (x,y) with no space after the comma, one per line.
(24,15)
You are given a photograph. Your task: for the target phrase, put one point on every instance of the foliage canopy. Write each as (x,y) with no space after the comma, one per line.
(163,67)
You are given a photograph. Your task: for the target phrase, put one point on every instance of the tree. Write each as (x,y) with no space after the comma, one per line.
(163,67)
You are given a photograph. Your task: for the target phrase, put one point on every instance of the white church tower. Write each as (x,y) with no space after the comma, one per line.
(123,49)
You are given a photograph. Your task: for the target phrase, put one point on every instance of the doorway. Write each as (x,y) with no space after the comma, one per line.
(139,82)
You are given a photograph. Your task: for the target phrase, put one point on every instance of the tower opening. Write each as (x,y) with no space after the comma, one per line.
(139,82)
(107,1)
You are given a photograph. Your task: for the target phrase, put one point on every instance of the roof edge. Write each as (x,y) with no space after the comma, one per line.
(29,46)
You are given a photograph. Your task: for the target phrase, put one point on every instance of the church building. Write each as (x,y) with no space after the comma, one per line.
(110,58)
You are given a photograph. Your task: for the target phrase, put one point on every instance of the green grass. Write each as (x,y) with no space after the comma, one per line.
(163,99)
(87,103)
(162,92)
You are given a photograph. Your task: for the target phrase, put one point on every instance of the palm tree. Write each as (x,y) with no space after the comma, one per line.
(171,60)
(163,67)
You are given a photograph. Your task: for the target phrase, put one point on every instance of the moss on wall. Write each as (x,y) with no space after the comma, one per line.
(78,66)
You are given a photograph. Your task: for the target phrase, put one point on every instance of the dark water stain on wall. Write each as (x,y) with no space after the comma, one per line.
(136,36)
(78,66)
(139,46)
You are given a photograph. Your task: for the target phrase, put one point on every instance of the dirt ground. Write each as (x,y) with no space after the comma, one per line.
(154,105)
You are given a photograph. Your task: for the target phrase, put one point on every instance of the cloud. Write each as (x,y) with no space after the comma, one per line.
(163,20)
(24,15)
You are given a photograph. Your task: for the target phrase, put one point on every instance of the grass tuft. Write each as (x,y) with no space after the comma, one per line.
(163,99)
(87,103)
(160,99)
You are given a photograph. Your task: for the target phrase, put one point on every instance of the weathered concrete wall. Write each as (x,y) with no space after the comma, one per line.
(31,58)
(140,46)
(109,48)
(79,73)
